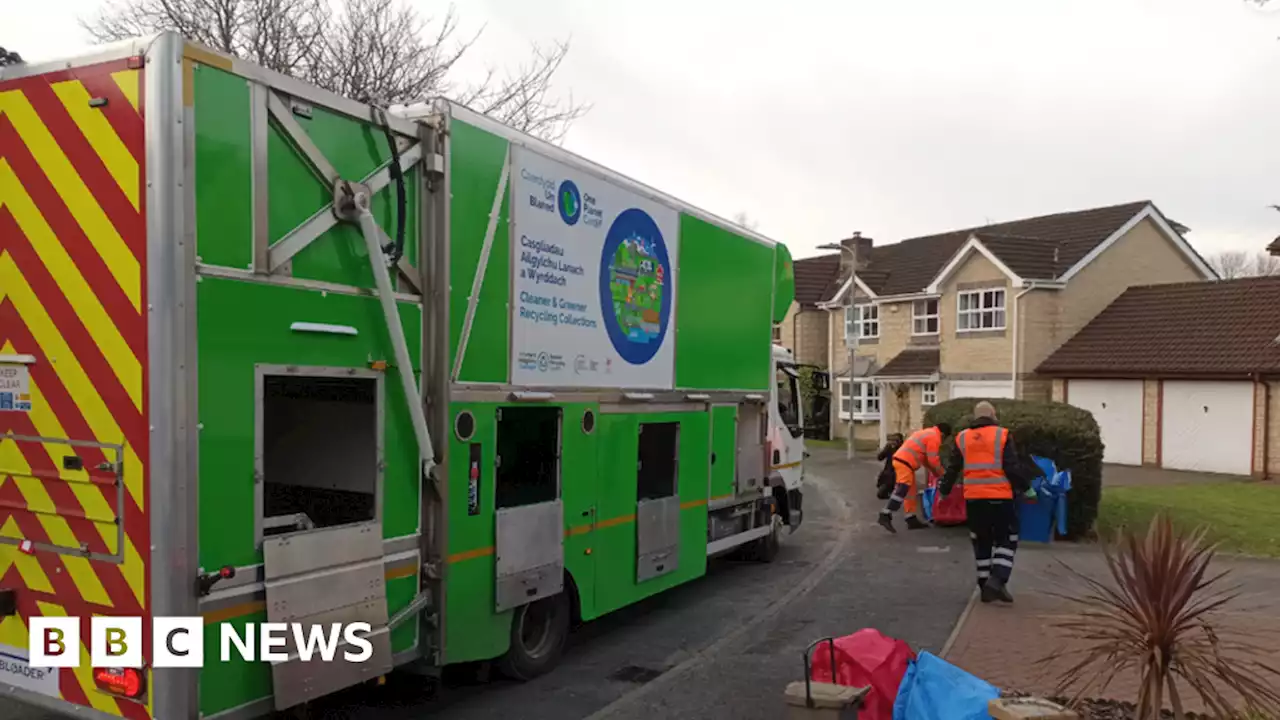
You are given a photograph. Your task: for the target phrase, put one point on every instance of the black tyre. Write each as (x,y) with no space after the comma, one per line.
(539,631)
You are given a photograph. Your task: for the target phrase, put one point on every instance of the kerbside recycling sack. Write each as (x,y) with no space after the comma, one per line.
(866,659)
(949,510)
(934,689)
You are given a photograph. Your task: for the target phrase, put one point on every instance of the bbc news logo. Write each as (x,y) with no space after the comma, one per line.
(178,642)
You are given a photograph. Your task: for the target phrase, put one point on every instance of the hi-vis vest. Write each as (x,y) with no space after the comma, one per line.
(921,449)
(983,452)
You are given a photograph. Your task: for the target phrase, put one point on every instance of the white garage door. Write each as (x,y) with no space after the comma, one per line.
(1117,406)
(1207,426)
(981,389)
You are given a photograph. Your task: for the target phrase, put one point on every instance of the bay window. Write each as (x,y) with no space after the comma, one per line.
(864,400)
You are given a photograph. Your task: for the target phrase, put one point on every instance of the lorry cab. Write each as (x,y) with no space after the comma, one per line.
(786,436)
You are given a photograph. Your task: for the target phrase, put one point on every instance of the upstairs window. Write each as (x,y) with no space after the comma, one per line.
(924,317)
(862,322)
(980,310)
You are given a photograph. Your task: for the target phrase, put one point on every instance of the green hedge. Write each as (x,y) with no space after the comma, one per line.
(1067,435)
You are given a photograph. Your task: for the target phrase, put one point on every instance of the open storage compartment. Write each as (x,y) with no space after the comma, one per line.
(657,500)
(530,517)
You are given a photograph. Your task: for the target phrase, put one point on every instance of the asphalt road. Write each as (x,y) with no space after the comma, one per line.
(726,645)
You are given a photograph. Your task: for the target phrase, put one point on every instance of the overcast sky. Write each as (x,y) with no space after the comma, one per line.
(898,118)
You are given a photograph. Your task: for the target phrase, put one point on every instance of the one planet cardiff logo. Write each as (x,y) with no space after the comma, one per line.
(635,277)
(569,200)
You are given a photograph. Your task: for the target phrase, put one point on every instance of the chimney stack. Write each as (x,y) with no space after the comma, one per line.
(859,245)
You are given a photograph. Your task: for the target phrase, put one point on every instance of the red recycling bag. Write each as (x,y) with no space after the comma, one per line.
(865,659)
(950,510)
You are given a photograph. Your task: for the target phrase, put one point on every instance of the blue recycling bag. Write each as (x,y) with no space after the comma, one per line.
(927,498)
(934,689)
(1038,515)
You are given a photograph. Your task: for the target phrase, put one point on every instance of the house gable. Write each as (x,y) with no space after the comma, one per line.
(1161,223)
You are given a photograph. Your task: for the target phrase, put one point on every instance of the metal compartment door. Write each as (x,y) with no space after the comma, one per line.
(657,537)
(751,448)
(320,577)
(530,553)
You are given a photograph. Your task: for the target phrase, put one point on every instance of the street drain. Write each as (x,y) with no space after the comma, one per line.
(635,674)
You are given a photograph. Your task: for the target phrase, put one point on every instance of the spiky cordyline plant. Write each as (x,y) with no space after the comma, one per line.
(1157,617)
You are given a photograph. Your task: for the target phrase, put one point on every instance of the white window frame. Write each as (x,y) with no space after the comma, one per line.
(868,395)
(928,394)
(858,317)
(917,317)
(966,317)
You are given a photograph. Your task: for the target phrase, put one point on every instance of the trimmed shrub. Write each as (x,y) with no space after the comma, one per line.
(1065,434)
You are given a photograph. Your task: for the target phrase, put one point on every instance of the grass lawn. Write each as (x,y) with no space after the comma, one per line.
(1243,517)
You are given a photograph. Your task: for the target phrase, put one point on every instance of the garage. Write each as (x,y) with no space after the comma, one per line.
(1117,406)
(1206,426)
(981,389)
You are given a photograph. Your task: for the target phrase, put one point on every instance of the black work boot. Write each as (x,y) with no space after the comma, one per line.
(914,523)
(886,521)
(998,590)
(987,592)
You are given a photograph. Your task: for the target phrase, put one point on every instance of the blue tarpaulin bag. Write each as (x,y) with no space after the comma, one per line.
(1038,515)
(934,689)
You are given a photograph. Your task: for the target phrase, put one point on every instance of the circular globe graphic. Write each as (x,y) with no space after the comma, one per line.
(635,295)
(569,200)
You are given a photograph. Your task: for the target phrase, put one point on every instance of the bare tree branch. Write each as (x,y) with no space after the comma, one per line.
(1234,264)
(378,51)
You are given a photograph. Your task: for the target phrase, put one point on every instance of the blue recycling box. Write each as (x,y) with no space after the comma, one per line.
(1038,515)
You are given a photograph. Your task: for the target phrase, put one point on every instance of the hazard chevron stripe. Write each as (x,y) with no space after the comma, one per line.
(72,294)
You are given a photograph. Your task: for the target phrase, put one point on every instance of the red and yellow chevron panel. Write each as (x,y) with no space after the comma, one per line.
(73,296)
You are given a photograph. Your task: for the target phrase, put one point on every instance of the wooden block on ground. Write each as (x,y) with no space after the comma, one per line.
(1029,709)
(830,702)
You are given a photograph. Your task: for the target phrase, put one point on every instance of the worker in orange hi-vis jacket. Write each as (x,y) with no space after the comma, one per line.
(993,476)
(920,452)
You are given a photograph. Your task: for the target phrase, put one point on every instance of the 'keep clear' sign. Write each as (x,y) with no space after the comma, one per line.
(15,387)
(594,285)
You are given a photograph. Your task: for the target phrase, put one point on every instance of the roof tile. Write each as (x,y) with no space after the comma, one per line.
(813,276)
(1029,244)
(912,362)
(1210,328)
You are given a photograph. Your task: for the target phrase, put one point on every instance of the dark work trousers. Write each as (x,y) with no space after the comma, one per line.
(993,528)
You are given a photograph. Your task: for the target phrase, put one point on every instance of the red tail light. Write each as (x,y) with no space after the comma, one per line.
(126,682)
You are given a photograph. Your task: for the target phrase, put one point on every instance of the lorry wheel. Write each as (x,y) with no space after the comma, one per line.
(539,631)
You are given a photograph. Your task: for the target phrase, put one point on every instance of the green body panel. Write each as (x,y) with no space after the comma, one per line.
(598,473)
(223,169)
(227,685)
(724,449)
(784,282)
(615,554)
(475,167)
(242,324)
(224,184)
(723,311)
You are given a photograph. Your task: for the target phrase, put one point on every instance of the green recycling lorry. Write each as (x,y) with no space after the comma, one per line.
(274,355)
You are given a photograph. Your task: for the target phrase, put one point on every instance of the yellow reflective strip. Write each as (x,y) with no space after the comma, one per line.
(84,207)
(28,567)
(84,673)
(70,373)
(134,571)
(71,282)
(101,136)
(127,81)
(13,632)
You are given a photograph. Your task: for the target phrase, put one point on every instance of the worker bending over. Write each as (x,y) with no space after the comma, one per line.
(920,451)
(984,455)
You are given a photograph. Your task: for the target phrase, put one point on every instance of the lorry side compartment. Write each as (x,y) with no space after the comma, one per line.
(74,297)
(247,325)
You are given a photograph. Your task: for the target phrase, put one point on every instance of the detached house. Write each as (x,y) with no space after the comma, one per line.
(974,312)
